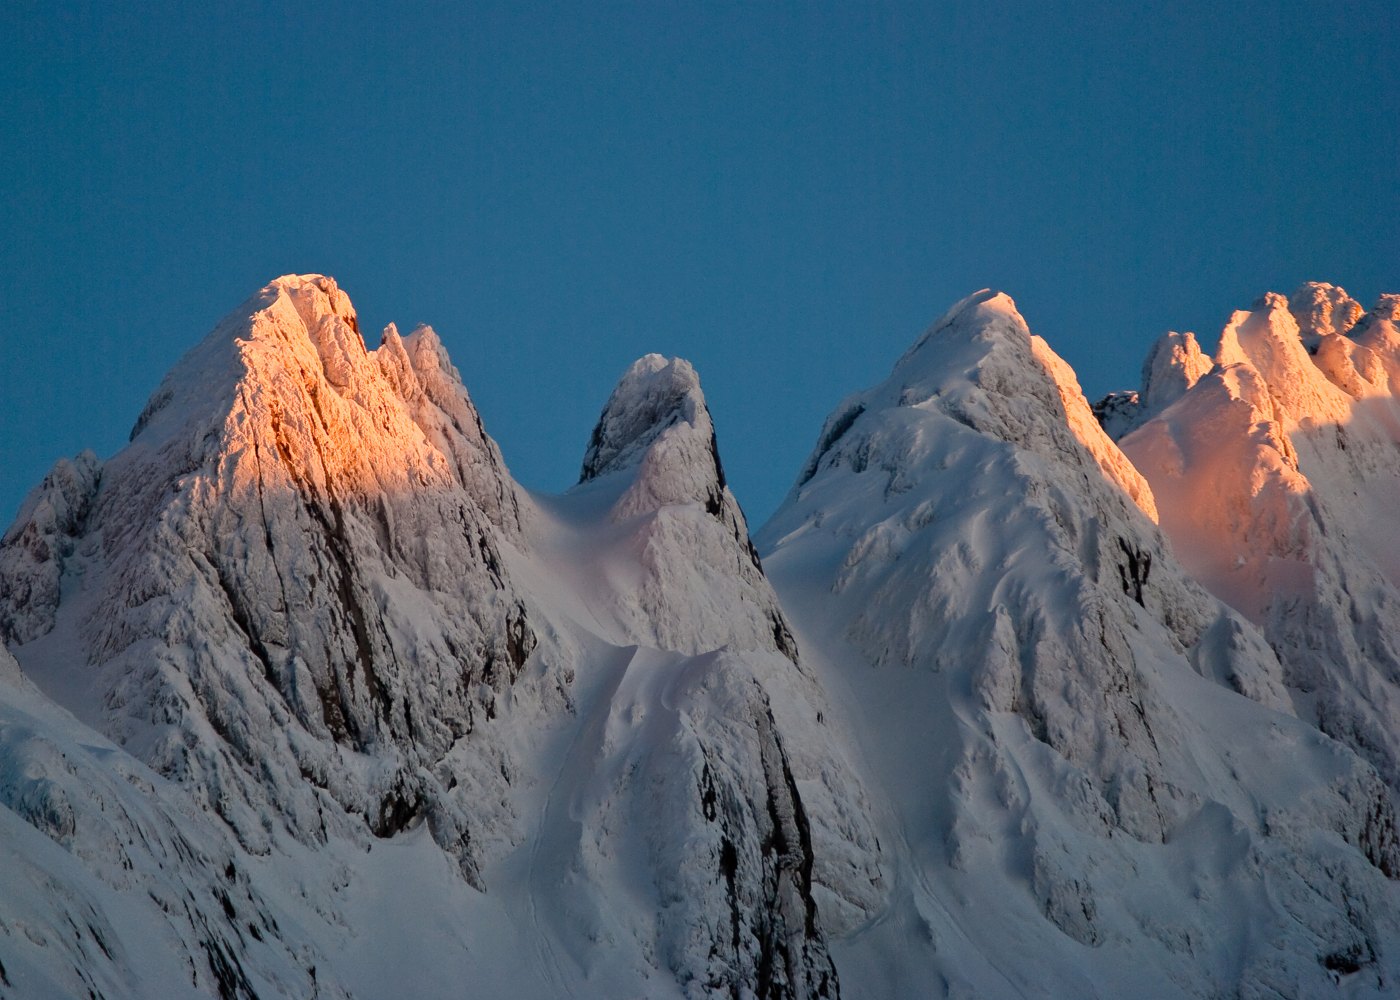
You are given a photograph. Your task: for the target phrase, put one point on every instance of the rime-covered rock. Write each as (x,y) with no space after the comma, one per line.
(35,549)
(1173,366)
(702,585)
(116,885)
(312,699)
(309,594)
(1118,412)
(1321,310)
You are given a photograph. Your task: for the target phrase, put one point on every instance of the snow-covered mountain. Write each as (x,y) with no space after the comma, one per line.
(304,695)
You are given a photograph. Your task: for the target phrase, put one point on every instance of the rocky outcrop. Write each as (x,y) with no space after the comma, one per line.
(701,743)
(34,551)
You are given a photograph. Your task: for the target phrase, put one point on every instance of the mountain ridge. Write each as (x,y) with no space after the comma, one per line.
(992,670)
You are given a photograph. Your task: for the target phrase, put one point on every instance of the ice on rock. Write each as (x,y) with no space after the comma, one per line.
(1173,366)
(1379,332)
(1119,412)
(34,550)
(1261,527)
(1267,338)
(727,727)
(1326,315)
(297,594)
(1322,310)
(652,396)
(115,885)
(655,455)
(449,419)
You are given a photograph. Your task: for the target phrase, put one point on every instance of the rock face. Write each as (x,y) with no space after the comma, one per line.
(1029,707)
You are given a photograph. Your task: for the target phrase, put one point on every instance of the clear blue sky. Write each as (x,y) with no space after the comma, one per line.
(784,194)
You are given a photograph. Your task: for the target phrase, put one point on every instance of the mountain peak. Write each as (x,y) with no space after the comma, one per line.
(1173,366)
(1387,307)
(316,500)
(317,296)
(983,313)
(982,367)
(654,394)
(1269,338)
(1322,309)
(655,444)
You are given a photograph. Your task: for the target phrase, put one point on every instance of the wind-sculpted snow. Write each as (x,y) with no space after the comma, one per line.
(981,580)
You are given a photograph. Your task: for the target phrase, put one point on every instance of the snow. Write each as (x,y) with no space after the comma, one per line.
(1174,364)
(1278,471)
(1063,758)
(312,699)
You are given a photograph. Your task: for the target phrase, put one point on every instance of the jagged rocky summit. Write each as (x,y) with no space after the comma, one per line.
(302,694)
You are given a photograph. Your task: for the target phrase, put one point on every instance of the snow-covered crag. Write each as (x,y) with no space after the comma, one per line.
(1278,473)
(302,694)
(287,592)
(700,771)
(1083,751)
(1173,366)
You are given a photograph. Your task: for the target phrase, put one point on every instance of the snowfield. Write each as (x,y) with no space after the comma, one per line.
(302,695)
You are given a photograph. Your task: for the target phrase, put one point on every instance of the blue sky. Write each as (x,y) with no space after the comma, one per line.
(784,194)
